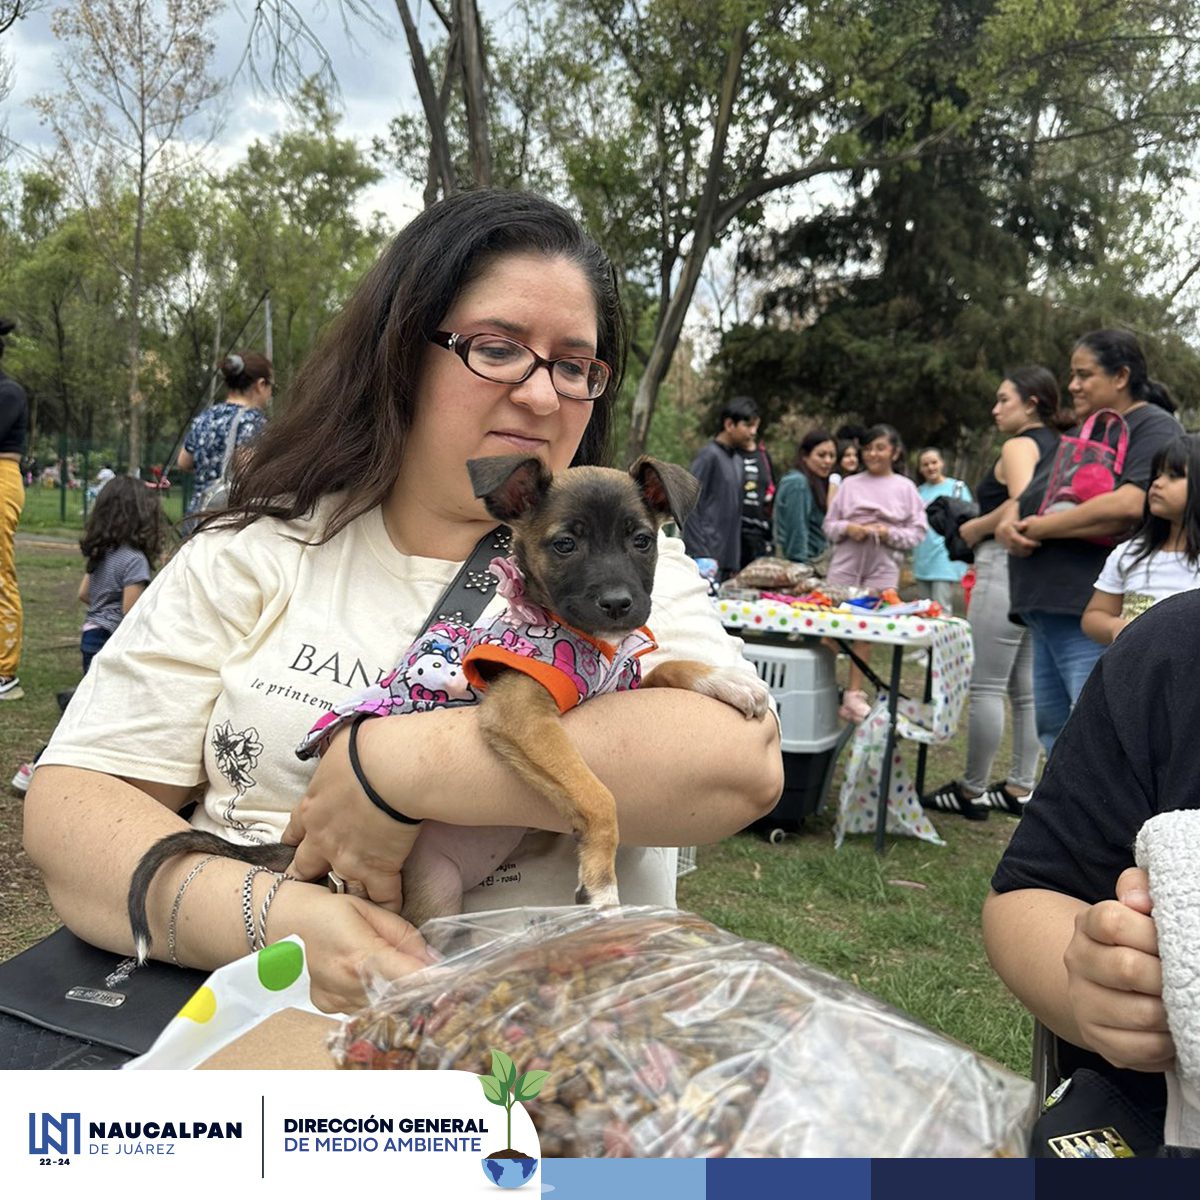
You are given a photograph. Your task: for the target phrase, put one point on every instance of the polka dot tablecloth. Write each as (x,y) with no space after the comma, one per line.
(949,640)
(231,1001)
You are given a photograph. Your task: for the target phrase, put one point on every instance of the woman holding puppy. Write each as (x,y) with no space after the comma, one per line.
(350,521)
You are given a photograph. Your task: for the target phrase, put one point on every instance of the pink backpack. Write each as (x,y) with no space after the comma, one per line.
(1088,465)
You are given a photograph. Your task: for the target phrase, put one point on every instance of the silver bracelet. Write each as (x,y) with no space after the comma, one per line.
(266,904)
(248,905)
(183,887)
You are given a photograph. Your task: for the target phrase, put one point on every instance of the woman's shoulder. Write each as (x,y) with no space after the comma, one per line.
(794,481)
(1152,419)
(268,537)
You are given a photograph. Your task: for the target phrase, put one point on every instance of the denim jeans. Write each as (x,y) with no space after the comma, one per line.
(1063,657)
(91,642)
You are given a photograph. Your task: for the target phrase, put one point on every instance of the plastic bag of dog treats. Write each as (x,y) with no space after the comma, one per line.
(664,1036)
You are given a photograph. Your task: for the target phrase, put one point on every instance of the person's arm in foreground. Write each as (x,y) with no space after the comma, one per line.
(684,770)
(1090,972)
(1067,927)
(86,832)
(1102,619)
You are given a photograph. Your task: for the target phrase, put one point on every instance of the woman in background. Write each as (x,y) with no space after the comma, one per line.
(1028,410)
(249,381)
(803,497)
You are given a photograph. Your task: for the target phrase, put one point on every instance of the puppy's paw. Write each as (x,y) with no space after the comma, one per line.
(602,897)
(747,693)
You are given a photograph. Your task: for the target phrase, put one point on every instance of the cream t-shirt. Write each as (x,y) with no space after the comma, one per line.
(245,638)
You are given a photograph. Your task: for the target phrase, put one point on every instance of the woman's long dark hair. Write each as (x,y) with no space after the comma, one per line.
(1117,348)
(808,443)
(1037,384)
(126,513)
(353,401)
(1180,459)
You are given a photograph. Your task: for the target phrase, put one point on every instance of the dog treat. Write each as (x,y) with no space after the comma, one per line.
(775,574)
(665,1036)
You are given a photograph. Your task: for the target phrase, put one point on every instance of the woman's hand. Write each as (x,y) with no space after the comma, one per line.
(857,533)
(336,826)
(347,940)
(1011,535)
(1114,979)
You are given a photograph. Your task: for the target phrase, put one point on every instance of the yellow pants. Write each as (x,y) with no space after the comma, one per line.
(12,500)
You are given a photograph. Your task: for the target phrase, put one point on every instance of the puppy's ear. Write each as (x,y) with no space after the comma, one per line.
(668,489)
(510,485)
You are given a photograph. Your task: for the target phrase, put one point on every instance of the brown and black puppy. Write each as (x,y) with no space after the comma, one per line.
(586,541)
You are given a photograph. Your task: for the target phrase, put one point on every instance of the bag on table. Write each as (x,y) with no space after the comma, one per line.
(1088,465)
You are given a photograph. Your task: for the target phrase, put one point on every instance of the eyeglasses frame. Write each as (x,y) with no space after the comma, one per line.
(459,344)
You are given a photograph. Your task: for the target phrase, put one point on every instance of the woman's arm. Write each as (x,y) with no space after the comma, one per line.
(1102,619)
(86,832)
(684,770)
(1108,515)
(836,525)
(129,595)
(186,461)
(909,530)
(85,589)
(1089,972)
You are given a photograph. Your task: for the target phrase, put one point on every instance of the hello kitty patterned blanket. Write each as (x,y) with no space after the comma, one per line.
(447,666)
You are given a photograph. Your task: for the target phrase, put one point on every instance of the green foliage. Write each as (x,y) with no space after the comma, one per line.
(283,218)
(1028,223)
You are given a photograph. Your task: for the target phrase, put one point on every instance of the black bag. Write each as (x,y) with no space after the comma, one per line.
(66,985)
(1089,1116)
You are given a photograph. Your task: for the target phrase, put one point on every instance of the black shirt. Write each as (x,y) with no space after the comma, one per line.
(1058,577)
(1125,754)
(991,493)
(14,416)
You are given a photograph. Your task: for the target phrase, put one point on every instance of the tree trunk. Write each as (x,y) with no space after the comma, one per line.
(475,91)
(670,325)
(439,148)
(135,329)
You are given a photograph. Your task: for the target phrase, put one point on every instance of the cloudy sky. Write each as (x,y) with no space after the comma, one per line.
(371,65)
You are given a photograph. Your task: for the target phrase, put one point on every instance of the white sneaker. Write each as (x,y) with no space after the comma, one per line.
(21,779)
(10,688)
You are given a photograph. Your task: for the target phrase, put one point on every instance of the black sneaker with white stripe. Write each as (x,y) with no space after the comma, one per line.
(951,798)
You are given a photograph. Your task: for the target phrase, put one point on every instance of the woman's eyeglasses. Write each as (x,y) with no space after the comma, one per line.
(503,360)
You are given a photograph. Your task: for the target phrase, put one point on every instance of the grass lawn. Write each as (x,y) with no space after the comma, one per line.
(904,926)
(44,513)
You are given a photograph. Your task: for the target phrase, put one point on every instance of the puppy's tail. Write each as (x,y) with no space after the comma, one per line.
(190,841)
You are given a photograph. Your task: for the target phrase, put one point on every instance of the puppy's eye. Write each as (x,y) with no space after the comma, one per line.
(564,545)
(642,541)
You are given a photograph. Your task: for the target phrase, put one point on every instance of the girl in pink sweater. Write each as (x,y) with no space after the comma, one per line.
(874,519)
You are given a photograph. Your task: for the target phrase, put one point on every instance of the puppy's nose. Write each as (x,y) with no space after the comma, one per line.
(615,602)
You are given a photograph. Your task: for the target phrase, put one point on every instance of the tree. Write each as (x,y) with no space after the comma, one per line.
(137,74)
(907,301)
(293,227)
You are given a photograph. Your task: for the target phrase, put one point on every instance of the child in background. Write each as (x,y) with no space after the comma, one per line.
(938,576)
(123,540)
(1163,556)
(874,518)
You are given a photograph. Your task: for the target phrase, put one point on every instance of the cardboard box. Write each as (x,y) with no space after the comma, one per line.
(289,1040)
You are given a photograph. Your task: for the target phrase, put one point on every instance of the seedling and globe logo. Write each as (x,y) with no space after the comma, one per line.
(509,1168)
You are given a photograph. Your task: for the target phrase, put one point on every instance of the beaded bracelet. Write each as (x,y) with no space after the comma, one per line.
(372,795)
(183,887)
